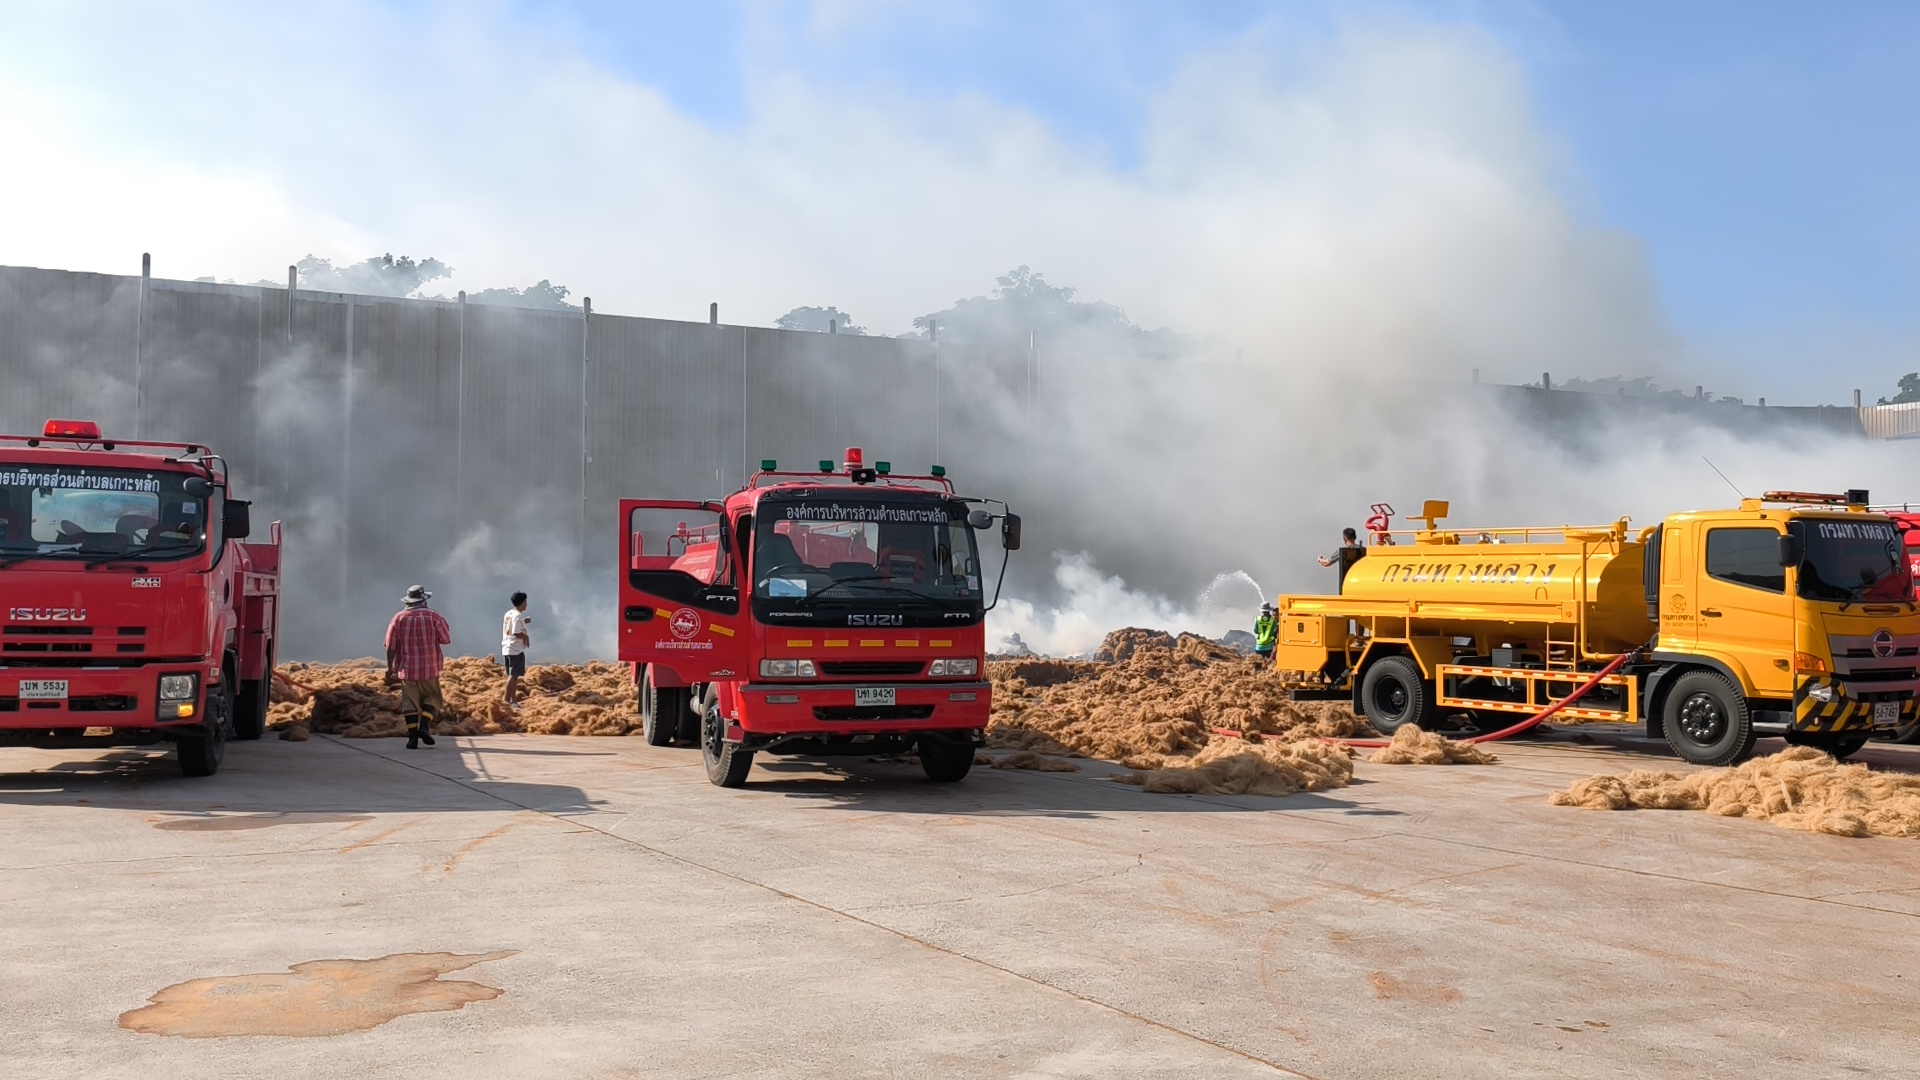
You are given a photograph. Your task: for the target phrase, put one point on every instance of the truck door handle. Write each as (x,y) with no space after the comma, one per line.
(639,613)
(1709,613)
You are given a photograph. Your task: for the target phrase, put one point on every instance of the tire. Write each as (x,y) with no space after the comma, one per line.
(250,707)
(661,711)
(1841,745)
(202,752)
(727,763)
(1707,720)
(1394,695)
(945,762)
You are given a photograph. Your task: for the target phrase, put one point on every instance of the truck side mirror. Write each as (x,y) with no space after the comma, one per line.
(236,519)
(1790,553)
(1010,532)
(980,519)
(197,486)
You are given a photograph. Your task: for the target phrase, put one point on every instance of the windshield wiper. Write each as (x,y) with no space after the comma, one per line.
(133,554)
(875,579)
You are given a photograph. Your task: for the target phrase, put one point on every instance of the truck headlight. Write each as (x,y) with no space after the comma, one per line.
(178,687)
(1821,693)
(787,669)
(968,666)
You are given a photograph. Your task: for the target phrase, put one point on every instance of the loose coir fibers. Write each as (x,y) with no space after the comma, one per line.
(1416,746)
(1799,788)
(1152,701)
(1161,701)
(1233,767)
(351,699)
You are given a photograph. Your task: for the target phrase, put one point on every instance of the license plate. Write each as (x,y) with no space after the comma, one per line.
(43,689)
(1886,712)
(872,695)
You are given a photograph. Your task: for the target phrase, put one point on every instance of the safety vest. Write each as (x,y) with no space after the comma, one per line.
(1266,631)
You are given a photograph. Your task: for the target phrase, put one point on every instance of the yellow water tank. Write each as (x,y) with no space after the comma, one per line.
(1544,577)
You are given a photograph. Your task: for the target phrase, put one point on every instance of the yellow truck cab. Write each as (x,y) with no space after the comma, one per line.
(1792,615)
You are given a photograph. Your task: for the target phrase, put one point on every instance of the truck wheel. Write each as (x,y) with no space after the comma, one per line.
(202,752)
(250,708)
(1840,745)
(727,763)
(945,762)
(1707,720)
(1394,695)
(663,712)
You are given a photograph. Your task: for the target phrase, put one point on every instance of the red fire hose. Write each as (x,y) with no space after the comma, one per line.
(1493,736)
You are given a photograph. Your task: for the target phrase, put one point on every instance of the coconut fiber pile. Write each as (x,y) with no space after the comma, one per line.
(1152,701)
(1799,788)
(351,699)
(1415,746)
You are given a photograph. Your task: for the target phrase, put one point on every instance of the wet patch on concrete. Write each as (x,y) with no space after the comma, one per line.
(319,997)
(241,822)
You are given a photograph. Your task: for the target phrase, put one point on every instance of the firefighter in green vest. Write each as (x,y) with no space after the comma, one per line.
(1266,631)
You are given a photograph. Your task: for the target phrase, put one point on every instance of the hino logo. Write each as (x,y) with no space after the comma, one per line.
(47,614)
(1883,643)
(876,620)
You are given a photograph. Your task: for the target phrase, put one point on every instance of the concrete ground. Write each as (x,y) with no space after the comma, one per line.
(613,915)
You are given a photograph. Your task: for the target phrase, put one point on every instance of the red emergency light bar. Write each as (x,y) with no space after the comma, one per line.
(71,429)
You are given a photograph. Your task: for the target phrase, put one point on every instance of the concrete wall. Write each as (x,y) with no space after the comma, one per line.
(410,440)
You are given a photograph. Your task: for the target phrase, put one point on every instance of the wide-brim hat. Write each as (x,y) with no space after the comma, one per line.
(416,595)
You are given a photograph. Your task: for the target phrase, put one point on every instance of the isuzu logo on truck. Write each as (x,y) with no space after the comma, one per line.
(876,620)
(47,614)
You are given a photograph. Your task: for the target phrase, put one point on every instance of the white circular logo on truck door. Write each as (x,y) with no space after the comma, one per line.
(685,624)
(1883,643)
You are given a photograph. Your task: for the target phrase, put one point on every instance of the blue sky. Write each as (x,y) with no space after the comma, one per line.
(1764,151)
(1709,191)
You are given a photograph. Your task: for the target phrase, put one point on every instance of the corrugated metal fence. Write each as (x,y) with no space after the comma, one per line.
(448,442)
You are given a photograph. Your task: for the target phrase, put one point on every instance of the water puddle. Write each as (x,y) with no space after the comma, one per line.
(319,997)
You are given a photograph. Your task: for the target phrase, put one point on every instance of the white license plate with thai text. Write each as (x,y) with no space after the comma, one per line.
(873,695)
(43,689)
(1886,713)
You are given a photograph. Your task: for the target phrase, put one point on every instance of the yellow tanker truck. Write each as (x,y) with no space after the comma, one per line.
(1790,616)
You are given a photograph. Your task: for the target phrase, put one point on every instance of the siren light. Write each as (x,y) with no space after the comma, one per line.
(855,459)
(71,429)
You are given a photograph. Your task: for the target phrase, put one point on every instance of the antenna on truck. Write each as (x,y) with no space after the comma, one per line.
(1723,476)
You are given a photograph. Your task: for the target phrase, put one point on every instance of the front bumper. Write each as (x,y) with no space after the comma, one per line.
(829,709)
(1849,706)
(119,698)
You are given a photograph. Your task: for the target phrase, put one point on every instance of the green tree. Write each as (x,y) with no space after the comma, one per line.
(1908,387)
(815,319)
(543,295)
(1026,306)
(381,275)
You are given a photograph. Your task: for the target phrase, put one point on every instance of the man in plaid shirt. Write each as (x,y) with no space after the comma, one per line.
(414,658)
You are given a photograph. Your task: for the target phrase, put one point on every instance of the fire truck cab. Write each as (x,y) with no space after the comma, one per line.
(136,609)
(813,613)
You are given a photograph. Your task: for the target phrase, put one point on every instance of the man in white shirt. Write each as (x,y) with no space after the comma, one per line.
(514,642)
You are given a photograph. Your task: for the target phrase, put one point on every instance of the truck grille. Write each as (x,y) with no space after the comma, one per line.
(871,668)
(872,712)
(49,631)
(46,646)
(103,703)
(1857,653)
(1873,675)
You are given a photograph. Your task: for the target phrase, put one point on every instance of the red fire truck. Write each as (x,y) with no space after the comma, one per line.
(813,613)
(135,611)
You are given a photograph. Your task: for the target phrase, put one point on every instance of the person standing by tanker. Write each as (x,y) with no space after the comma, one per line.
(1266,632)
(415,660)
(514,642)
(1346,555)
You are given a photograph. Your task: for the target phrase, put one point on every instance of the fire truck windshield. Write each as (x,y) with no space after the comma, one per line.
(70,512)
(1851,560)
(848,551)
